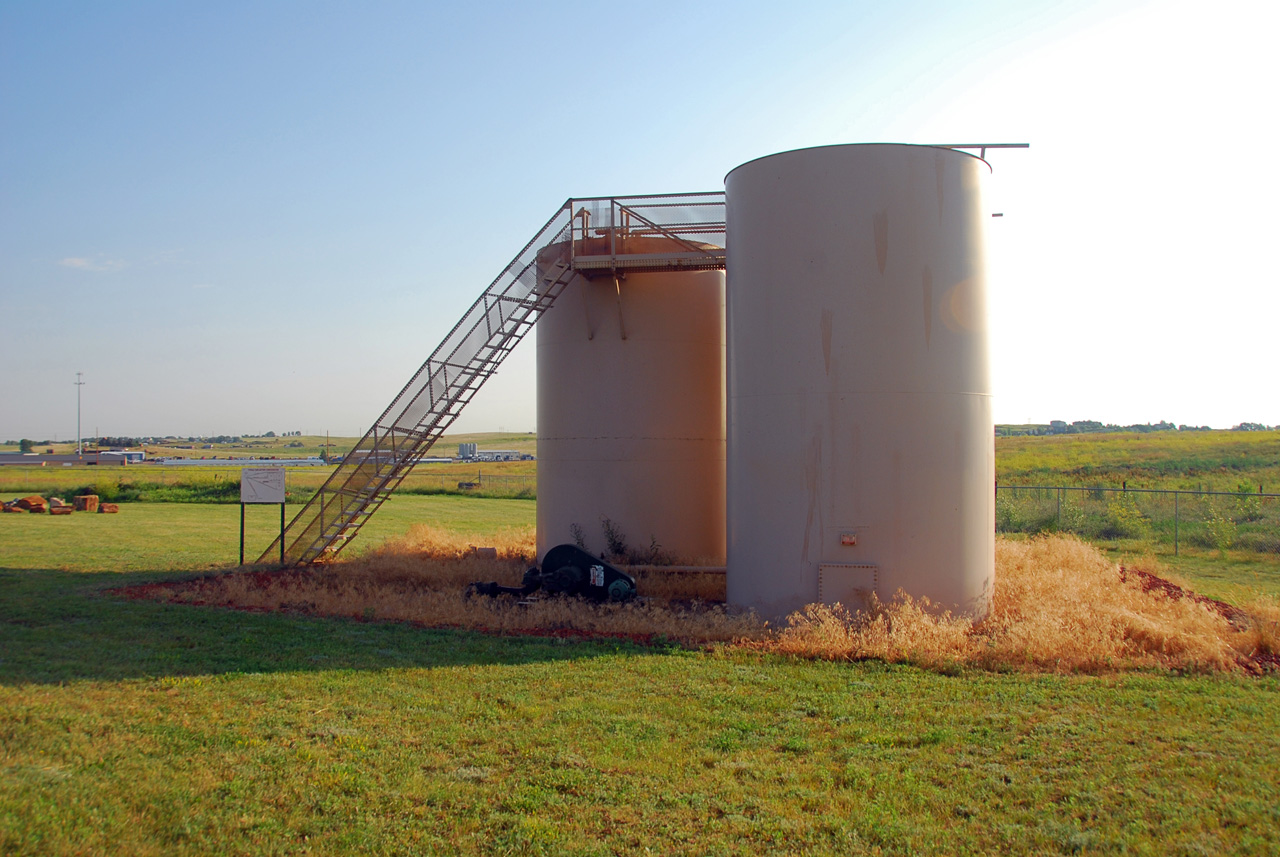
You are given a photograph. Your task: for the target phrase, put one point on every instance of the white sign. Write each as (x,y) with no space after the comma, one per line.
(261,484)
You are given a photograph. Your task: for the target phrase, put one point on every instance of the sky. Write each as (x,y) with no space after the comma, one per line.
(242,217)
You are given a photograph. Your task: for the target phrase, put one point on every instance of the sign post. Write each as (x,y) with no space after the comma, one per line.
(261,485)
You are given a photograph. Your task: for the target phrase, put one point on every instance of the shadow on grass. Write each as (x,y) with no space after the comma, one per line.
(58,626)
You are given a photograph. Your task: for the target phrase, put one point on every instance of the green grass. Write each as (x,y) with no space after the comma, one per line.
(306,445)
(146,728)
(138,727)
(1212,460)
(186,536)
(156,483)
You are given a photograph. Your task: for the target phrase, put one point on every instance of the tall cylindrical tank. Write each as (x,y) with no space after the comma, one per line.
(631,413)
(860,441)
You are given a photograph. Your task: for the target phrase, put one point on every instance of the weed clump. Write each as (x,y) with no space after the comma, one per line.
(1059,606)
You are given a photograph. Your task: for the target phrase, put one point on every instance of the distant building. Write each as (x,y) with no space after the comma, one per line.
(471,452)
(498,455)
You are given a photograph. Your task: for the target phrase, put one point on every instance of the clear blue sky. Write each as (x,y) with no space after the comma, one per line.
(240,217)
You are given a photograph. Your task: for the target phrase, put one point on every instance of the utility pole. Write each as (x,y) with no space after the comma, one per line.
(79,441)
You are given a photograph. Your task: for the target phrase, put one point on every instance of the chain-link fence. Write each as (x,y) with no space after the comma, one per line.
(1170,519)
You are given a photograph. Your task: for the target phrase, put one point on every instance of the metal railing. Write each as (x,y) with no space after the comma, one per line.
(593,236)
(684,231)
(1174,519)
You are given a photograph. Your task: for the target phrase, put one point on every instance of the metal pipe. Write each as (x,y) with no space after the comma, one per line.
(982,146)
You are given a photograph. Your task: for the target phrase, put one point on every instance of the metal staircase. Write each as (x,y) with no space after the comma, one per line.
(602,236)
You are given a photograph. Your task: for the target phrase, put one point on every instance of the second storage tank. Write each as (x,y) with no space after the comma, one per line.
(631,413)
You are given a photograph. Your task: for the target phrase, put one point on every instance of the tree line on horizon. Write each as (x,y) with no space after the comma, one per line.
(1055,427)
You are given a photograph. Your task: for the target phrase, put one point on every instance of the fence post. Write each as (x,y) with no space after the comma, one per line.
(1059,493)
(1175,523)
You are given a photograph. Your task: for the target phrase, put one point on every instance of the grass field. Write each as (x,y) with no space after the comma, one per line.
(1210,461)
(140,727)
(209,483)
(146,728)
(192,536)
(304,446)
(1213,460)
(152,483)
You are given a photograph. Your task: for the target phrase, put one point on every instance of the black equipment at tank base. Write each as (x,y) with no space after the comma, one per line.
(568,570)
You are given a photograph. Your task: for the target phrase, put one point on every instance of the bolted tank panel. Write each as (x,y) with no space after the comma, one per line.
(631,414)
(860,450)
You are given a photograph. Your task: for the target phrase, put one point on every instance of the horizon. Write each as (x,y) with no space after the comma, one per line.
(1106,428)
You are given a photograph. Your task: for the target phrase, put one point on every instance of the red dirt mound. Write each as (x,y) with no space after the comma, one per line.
(1174,592)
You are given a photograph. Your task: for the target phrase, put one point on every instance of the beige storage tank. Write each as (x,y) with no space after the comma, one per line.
(860,446)
(631,411)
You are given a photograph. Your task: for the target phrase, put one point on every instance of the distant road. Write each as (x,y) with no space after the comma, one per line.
(239,462)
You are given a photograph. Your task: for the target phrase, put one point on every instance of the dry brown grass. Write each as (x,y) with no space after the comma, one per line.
(423,576)
(1262,635)
(673,584)
(424,541)
(1060,606)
